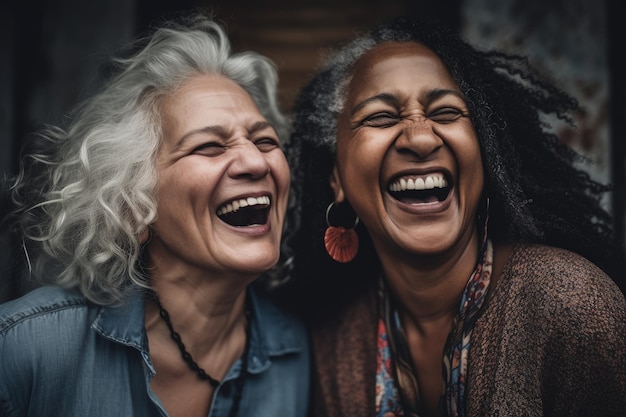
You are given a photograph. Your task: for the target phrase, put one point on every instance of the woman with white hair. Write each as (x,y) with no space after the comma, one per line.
(150,220)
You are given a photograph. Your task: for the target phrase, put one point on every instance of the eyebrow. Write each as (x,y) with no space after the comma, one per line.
(441,92)
(391,99)
(384,97)
(222,132)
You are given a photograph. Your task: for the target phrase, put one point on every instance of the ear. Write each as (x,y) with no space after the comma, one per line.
(143,237)
(335,184)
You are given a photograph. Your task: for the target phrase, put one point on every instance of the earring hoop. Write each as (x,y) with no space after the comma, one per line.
(341,244)
(330,206)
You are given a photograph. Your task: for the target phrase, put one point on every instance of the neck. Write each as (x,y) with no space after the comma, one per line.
(189,290)
(194,310)
(214,338)
(429,290)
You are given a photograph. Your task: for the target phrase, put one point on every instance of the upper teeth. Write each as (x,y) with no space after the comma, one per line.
(243,202)
(422,183)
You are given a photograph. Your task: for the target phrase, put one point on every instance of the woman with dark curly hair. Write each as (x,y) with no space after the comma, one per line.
(151,219)
(449,256)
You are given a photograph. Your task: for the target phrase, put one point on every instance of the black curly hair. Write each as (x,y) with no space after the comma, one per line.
(537,194)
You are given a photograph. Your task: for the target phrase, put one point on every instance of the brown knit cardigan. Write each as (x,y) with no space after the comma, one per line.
(551,341)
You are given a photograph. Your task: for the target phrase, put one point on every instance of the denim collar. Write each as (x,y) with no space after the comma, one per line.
(271,330)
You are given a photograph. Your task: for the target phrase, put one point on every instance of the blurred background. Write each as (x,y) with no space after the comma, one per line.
(54,53)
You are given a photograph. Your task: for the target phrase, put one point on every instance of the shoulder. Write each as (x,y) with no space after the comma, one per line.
(555,282)
(40,334)
(528,255)
(556,268)
(39,304)
(48,320)
(569,318)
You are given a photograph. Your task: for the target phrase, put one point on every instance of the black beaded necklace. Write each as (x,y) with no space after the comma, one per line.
(202,375)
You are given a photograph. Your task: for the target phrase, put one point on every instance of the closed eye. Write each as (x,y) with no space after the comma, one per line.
(209,149)
(446,115)
(381,120)
(267,144)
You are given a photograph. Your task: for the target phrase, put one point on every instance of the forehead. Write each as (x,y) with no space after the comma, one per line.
(386,50)
(206,91)
(398,65)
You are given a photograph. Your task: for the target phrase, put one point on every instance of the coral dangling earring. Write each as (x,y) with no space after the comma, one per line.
(341,244)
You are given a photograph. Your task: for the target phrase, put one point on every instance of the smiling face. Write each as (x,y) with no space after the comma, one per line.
(223,183)
(408,158)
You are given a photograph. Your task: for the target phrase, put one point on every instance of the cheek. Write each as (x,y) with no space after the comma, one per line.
(464,144)
(280,169)
(360,161)
(473,174)
(187,187)
(476,163)
(171,200)
(175,182)
(359,178)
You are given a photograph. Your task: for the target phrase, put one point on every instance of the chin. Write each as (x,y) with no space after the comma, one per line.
(429,247)
(258,266)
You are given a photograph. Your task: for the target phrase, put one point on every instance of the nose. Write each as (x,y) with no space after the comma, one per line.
(419,137)
(249,162)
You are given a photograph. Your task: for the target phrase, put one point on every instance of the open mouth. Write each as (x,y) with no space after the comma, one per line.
(245,211)
(420,189)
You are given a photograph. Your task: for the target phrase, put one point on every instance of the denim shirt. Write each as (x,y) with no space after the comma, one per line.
(61,355)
